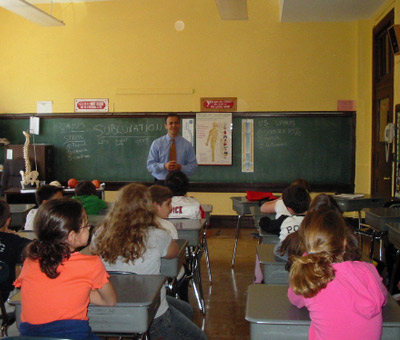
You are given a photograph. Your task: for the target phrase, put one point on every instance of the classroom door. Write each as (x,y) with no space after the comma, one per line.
(382,109)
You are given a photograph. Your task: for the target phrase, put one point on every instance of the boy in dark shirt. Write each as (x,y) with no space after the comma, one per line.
(11,248)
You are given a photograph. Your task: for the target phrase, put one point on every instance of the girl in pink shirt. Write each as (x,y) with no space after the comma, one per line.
(344,298)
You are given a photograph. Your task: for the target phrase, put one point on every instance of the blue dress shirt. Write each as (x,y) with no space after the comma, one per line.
(159,155)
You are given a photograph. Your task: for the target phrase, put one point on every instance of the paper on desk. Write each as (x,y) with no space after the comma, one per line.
(349,196)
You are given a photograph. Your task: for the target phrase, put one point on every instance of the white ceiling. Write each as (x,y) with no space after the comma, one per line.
(292,10)
(328,10)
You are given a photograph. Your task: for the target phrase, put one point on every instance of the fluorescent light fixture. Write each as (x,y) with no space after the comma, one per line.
(232,9)
(30,12)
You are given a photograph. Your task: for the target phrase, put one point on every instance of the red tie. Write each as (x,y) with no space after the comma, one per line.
(172,151)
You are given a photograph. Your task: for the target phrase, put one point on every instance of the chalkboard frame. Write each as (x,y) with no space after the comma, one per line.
(347,187)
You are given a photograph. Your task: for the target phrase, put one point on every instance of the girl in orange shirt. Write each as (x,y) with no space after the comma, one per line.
(57,282)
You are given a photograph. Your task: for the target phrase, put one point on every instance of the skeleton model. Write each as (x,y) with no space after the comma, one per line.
(28,177)
(4,141)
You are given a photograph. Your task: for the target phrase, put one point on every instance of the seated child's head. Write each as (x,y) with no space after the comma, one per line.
(302,183)
(323,234)
(296,198)
(85,188)
(292,246)
(47,192)
(124,230)
(5,214)
(324,201)
(162,197)
(61,227)
(178,182)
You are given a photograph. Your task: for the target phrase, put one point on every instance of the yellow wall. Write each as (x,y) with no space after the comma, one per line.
(120,49)
(129,51)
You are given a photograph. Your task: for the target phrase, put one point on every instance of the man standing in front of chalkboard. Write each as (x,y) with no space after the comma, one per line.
(171,152)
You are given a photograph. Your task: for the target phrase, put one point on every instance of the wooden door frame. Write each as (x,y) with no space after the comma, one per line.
(385,23)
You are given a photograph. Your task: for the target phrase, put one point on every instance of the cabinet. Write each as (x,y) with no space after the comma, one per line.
(44,158)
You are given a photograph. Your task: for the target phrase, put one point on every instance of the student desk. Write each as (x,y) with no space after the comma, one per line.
(347,204)
(188,229)
(71,192)
(18,214)
(273,267)
(95,220)
(192,231)
(242,207)
(207,208)
(394,233)
(394,238)
(273,317)
(171,267)
(257,215)
(138,301)
(378,218)
(16,195)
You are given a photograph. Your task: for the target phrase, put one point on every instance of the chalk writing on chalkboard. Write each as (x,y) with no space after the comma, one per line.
(73,136)
(274,132)
(119,134)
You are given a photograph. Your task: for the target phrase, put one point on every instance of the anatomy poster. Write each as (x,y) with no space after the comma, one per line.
(214,138)
(188,130)
(247,145)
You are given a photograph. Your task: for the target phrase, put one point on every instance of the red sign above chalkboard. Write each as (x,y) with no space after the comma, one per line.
(223,104)
(91,105)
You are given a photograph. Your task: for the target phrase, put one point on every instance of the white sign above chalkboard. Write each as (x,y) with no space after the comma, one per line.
(91,105)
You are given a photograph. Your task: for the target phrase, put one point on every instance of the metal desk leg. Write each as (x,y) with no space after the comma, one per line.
(236,240)
(196,279)
(372,246)
(361,238)
(205,247)
(392,284)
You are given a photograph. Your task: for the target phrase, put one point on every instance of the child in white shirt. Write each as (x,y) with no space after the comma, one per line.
(182,205)
(162,197)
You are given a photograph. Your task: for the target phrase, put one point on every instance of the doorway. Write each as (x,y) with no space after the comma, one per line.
(382,108)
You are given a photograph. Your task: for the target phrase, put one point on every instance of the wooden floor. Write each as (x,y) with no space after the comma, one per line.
(226,296)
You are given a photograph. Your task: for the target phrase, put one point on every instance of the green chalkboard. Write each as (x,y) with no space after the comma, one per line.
(318,147)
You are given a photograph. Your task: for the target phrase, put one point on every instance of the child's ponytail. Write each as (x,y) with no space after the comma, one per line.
(323,235)
(311,273)
(53,222)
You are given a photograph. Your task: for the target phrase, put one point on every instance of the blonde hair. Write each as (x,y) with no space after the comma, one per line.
(323,235)
(124,231)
